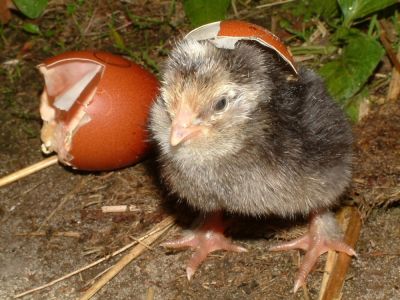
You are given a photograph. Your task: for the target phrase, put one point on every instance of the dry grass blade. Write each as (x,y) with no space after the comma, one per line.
(28,170)
(118,208)
(394,86)
(273,4)
(157,231)
(338,263)
(64,199)
(150,294)
(72,234)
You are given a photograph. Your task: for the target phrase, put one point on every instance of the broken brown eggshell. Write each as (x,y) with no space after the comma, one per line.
(94,109)
(225,34)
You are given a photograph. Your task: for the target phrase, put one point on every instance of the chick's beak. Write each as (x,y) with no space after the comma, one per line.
(183,127)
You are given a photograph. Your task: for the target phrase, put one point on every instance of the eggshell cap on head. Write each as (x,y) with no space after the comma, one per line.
(94,108)
(225,34)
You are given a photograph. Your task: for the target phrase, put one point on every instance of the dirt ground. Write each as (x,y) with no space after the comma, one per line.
(51,223)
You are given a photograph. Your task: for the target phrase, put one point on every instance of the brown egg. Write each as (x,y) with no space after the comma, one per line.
(94,109)
(225,34)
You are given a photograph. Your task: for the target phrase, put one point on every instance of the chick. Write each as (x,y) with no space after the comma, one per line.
(237,132)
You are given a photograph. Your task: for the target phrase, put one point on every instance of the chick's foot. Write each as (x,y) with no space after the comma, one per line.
(209,237)
(323,235)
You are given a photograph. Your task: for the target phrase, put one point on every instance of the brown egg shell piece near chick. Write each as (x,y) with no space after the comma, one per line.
(94,108)
(225,34)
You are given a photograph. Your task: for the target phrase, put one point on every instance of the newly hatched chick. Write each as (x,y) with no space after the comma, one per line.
(238,132)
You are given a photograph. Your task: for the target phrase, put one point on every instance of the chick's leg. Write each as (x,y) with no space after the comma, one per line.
(207,238)
(323,235)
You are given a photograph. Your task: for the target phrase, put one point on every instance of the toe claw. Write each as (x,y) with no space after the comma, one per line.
(297,285)
(189,273)
(240,249)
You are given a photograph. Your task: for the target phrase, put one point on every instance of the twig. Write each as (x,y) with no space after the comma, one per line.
(162,226)
(28,170)
(329,265)
(234,8)
(338,263)
(274,3)
(274,24)
(388,48)
(158,230)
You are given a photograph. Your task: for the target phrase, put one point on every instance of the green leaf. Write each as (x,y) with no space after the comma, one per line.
(71,9)
(348,74)
(355,9)
(326,8)
(49,33)
(352,107)
(117,38)
(31,8)
(31,28)
(309,8)
(201,12)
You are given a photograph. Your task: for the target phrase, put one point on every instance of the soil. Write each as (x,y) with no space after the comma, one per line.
(51,222)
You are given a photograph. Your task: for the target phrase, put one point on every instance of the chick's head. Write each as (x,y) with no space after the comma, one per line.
(208,99)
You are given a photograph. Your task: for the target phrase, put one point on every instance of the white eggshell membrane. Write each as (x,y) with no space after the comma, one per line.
(65,83)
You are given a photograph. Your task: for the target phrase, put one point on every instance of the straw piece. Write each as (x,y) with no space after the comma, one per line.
(338,263)
(118,208)
(163,225)
(150,293)
(72,234)
(388,47)
(28,170)
(158,230)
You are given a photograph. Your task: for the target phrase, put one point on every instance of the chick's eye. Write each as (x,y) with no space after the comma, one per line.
(220,105)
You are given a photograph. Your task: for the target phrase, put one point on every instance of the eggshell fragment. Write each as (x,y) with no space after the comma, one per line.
(225,34)
(94,109)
